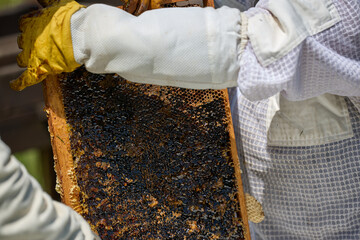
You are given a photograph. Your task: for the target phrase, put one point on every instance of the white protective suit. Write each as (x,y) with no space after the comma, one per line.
(26,212)
(293,69)
(293,72)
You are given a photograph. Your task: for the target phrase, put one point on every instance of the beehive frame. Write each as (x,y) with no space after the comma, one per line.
(65,154)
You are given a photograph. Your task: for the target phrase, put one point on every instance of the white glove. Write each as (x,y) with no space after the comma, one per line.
(183,47)
(26,212)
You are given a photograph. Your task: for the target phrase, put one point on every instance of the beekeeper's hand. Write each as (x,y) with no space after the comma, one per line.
(46,43)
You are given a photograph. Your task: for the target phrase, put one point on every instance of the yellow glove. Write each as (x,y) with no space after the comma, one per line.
(46,43)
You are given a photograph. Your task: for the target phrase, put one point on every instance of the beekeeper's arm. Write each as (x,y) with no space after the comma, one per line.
(264,50)
(26,212)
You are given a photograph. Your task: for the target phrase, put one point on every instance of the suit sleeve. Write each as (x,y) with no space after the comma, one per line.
(301,48)
(29,213)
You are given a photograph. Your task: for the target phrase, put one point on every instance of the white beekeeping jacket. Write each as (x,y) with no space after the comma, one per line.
(294,69)
(300,158)
(26,212)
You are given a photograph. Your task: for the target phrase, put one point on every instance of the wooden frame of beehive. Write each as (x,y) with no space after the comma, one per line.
(66,157)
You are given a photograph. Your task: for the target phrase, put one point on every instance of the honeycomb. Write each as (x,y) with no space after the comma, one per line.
(151,162)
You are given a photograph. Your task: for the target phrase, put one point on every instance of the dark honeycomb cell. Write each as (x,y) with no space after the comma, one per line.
(151,162)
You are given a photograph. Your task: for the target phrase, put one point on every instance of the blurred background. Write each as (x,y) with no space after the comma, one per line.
(23,123)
